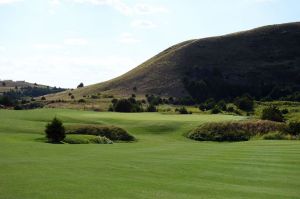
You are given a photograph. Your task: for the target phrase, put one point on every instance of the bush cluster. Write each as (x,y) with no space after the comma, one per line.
(272,113)
(234,131)
(126,105)
(111,132)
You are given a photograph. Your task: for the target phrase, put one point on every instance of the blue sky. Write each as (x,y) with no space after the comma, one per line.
(65,42)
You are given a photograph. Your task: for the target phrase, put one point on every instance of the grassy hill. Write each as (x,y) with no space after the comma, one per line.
(264,62)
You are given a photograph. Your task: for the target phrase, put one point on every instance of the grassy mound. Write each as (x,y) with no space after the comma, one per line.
(111,132)
(234,131)
(86,139)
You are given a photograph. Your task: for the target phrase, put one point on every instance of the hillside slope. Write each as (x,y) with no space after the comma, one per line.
(261,61)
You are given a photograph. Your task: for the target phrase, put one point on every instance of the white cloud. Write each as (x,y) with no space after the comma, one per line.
(149,9)
(47,46)
(2,48)
(143,24)
(8,1)
(87,69)
(128,38)
(76,41)
(55,2)
(126,9)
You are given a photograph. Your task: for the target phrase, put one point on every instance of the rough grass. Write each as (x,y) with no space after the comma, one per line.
(86,139)
(162,164)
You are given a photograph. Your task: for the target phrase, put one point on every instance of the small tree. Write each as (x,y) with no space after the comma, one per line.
(244,103)
(80,85)
(3,84)
(272,113)
(55,131)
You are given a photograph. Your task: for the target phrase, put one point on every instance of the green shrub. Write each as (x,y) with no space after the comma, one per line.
(234,131)
(220,133)
(151,108)
(293,128)
(284,111)
(111,132)
(86,139)
(272,113)
(244,103)
(78,139)
(101,140)
(277,135)
(182,110)
(222,105)
(215,110)
(55,131)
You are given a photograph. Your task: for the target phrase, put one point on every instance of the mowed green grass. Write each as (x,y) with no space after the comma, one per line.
(161,164)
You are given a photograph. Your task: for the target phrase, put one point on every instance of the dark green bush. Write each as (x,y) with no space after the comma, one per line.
(293,128)
(244,103)
(55,131)
(284,111)
(272,113)
(215,110)
(111,132)
(222,105)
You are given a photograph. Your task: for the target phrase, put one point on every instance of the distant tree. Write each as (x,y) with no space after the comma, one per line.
(244,103)
(123,105)
(272,113)
(80,85)
(134,89)
(3,84)
(6,101)
(151,108)
(43,98)
(55,131)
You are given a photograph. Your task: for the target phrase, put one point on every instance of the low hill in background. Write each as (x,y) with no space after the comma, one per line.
(264,62)
(20,89)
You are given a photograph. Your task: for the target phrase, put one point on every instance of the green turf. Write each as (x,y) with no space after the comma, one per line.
(161,164)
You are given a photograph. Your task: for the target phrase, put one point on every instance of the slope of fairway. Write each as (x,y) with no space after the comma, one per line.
(161,164)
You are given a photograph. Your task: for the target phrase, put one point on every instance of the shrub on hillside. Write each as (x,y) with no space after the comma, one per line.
(208,104)
(55,131)
(234,131)
(244,103)
(293,128)
(111,132)
(126,105)
(81,101)
(272,113)
(215,110)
